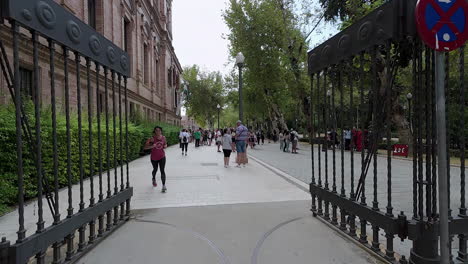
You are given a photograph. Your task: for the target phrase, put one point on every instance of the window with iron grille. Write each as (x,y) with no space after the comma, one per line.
(132,111)
(92,13)
(26,79)
(126,35)
(101,103)
(145,64)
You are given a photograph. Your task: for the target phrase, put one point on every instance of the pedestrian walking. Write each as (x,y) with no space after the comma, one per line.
(281,139)
(251,139)
(347,138)
(286,141)
(184,139)
(205,138)
(242,134)
(157,144)
(191,135)
(262,135)
(210,137)
(218,137)
(197,135)
(294,138)
(226,141)
(233,135)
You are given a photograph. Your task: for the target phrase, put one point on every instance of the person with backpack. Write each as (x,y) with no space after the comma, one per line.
(157,143)
(184,140)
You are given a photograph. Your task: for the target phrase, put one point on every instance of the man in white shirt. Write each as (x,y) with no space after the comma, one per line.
(347,138)
(184,137)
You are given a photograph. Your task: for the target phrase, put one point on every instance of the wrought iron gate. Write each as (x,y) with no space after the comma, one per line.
(356,97)
(44,32)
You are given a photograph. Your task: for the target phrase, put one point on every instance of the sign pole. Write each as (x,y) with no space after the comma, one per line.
(440,76)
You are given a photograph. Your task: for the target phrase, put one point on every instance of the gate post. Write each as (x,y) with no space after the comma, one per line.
(4,247)
(426,244)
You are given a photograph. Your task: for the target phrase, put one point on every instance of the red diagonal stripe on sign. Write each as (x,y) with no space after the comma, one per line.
(445,17)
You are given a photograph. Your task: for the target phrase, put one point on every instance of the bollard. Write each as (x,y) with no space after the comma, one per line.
(4,247)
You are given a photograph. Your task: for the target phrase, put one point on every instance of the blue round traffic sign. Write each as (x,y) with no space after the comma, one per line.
(442,24)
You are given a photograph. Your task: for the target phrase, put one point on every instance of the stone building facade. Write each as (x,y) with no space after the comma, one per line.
(143,28)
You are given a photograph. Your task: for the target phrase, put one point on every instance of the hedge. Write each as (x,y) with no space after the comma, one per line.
(137,135)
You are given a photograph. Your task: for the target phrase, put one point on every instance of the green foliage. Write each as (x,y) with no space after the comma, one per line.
(348,11)
(137,135)
(206,91)
(268,33)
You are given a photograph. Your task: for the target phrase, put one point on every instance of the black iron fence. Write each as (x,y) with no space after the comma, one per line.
(90,67)
(360,81)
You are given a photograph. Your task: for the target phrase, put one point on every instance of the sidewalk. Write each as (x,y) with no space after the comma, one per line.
(211,214)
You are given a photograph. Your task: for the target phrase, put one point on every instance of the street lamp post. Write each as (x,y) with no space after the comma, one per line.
(219,107)
(329,94)
(409,96)
(240,63)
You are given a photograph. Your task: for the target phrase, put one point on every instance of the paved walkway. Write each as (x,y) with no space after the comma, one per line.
(300,167)
(211,214)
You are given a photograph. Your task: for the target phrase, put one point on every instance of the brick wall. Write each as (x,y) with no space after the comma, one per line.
(155,96)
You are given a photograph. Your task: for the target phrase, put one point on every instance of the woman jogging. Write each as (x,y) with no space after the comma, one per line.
(157,144)
(227,147)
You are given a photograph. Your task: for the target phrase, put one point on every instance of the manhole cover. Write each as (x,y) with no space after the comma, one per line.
(209,164)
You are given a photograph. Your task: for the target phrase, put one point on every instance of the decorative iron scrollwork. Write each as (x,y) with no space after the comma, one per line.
(46,15)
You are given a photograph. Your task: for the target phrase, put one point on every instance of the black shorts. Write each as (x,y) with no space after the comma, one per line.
(227,153)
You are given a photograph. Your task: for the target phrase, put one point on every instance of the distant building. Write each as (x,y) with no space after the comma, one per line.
(189,123)
(143,28)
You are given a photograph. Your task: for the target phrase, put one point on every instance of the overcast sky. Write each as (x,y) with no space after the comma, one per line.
(198,30)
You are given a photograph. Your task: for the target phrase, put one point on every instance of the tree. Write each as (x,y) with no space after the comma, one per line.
(205,92)
(267,32)
(400,59)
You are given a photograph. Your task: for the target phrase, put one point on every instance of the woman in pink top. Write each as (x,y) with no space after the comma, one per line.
(157,144)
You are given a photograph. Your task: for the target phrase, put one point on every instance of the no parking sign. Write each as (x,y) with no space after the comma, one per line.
(443,24)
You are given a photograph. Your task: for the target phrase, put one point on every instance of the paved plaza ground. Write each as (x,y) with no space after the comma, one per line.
(300,167)
(211,214)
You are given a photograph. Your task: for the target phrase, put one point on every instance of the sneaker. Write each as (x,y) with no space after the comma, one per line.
(243,165)
(238,166)
(164,189)
(185,153)
(154,183)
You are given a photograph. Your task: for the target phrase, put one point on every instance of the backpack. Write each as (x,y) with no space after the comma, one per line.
(184,139)
(292,136)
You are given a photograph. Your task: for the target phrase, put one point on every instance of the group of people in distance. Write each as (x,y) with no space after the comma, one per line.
(228,139)
(288,138)
(358,138)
